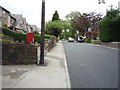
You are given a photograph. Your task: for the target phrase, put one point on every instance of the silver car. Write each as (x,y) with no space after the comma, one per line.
(70,39)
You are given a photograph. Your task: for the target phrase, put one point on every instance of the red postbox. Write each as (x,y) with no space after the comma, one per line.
(30,37)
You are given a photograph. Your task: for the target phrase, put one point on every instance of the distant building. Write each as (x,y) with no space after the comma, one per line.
(29,28)
(21,25)
(34,27)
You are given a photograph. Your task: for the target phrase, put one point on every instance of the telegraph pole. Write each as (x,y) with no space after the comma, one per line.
(42,33)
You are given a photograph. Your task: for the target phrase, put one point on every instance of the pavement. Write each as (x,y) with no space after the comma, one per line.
(54,75)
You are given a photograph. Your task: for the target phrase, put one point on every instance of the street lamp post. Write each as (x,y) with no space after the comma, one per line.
(42,33)
(101,1)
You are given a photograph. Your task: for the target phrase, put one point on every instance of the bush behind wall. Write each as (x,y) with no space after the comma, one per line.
(20,36)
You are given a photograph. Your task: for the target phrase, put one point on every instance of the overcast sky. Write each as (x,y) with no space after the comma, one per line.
(31,9)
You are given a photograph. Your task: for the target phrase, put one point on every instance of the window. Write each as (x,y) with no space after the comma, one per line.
(11,21)
(21,24)
(4,14)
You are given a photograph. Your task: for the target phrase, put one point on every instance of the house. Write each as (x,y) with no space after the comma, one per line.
(11,22)
(25,25)
(15,22)
(29,28)
(4,14)
(34,27)
(39,30)
(0,16)
(21,25)
(6,20)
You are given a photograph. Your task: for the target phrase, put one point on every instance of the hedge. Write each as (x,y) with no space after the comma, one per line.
(105,31)
(20,36)
(115,29)
(110,26)
(15,35)
(110,29)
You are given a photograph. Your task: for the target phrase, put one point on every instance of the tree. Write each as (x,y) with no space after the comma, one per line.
(82,22)
(112,13)
(69,18)
(72,15)
(55,16)
(55,27)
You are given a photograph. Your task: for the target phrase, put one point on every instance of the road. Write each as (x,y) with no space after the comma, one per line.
(91,66)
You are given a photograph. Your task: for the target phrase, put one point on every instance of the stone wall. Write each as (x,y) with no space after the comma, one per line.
(108,44)
(111,44)
(18,53)
(50,44)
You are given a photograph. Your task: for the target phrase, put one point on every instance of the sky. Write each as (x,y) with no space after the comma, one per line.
(31,9)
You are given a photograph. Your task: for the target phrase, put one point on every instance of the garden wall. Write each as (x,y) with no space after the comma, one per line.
(18,53)
(50,44)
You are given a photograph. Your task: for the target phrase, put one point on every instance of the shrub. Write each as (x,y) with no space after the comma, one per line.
(22,37)
(105,32)
(110,29)
(110,26)
(37,37)
(47,36)
(15,35)
(35,32)
(115,29)
(61,37)
(87,40)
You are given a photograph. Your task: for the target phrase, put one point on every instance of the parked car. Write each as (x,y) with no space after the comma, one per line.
(70,39)
(80,39)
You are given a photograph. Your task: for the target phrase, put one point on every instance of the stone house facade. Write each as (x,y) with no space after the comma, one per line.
(15,22)
(21,25)
(4,16)
(6,20)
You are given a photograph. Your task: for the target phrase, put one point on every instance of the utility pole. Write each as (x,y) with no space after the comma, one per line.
(42,33)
